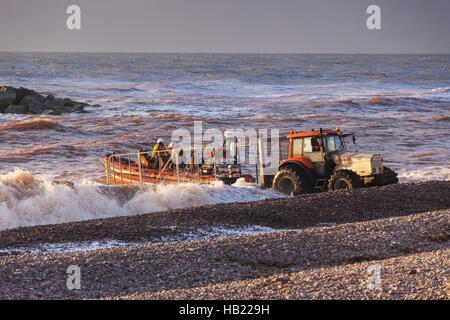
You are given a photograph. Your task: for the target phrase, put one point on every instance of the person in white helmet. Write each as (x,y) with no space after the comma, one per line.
(176,154)
(159,146)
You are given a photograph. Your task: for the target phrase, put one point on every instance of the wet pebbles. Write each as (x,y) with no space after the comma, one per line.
(323,248)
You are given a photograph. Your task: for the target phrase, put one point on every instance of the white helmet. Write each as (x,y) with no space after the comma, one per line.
(172,145)
(228,134)
(160,140)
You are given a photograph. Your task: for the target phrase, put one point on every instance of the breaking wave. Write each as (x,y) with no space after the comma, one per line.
(35,124)
(424,174)
(27,200)
(445,118)
(23,155)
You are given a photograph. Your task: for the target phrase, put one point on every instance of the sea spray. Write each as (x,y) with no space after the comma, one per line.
(26,199)
(424,174)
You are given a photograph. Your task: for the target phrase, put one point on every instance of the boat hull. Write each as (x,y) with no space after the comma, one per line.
(122,171)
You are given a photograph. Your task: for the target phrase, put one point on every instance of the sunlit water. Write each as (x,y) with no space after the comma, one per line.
(398,105)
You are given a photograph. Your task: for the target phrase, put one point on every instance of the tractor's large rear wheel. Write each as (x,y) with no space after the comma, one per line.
(344,180)
(290,182)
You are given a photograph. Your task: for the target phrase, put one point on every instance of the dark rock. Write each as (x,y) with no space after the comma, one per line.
(32,99)
(414,271)
(58,102)
(22,93)
(22,100)
(51,104)
(35,108)
(51,112)
(68,102)
(64,109)
(7,89)
(17,109)
(79,108)
(7,97)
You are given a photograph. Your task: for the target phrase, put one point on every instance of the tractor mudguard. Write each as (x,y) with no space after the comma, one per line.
(296,164)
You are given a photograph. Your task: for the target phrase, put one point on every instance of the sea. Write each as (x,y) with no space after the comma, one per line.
(396,105)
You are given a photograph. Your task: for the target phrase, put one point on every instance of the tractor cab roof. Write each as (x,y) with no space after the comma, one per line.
(313,133)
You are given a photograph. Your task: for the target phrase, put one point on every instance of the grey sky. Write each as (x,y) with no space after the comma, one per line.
(259,26)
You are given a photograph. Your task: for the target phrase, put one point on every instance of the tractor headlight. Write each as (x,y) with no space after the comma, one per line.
(374,170)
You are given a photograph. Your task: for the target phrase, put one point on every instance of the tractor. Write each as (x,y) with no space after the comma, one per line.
(320,161)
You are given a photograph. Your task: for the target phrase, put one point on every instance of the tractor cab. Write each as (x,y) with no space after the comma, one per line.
(317,142)
(315,149)
(320,161)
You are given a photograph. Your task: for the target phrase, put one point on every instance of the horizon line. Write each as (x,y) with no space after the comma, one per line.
(232,53)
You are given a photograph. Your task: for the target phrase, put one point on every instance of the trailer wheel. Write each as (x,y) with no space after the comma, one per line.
(290,182)
(344,180)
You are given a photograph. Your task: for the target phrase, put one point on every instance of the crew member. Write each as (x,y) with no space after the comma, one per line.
(159,146)
(176,154)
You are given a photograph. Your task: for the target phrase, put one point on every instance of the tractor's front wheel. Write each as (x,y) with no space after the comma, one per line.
(290,182)
(344,180)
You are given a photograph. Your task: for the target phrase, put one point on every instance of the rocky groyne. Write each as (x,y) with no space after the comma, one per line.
(26,101)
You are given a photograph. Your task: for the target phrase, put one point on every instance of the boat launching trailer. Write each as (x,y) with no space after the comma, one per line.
(317,161)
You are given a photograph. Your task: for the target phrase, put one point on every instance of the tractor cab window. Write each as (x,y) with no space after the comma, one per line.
(334,144)
(311,149)
(311,145)
(297,147)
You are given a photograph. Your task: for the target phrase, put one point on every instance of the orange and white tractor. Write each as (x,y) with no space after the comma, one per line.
(320,161)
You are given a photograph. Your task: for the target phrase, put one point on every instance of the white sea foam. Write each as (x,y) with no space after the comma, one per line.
(424,174)
(67,247)
(218,232)
(27,200)
(194,235)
